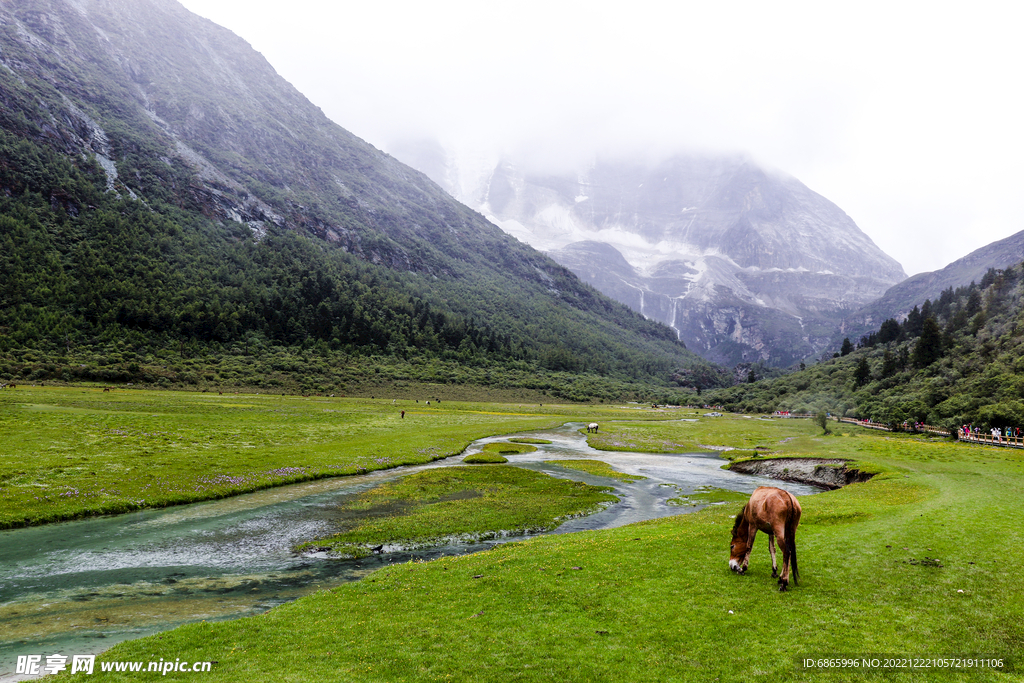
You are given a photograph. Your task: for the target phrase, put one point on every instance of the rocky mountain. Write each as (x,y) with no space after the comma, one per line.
(160,183)
(744,263)
(899,299)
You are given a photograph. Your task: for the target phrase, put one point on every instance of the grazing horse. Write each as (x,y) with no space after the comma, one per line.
(777,513)
(592,427)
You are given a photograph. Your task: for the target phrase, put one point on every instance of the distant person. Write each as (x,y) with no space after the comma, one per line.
(403,414)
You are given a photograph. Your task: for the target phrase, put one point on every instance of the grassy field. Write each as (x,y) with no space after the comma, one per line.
(601,469)
(505,448)
(921,561)
(68,452)
(918,562)
(468,503)
(708,433)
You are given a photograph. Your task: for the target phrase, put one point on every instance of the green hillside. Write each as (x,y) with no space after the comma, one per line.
(166,196)
(953,361)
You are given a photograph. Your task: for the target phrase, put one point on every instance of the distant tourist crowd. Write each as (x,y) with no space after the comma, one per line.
(970,431)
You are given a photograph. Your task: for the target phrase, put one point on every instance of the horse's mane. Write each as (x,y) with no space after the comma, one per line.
(739,520)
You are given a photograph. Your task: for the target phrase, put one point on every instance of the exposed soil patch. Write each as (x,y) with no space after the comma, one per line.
(824,472)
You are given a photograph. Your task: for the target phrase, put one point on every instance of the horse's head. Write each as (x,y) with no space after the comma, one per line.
(738,547)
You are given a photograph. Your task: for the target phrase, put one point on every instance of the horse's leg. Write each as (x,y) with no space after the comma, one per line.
(784,545)
(771,549)
(751,535)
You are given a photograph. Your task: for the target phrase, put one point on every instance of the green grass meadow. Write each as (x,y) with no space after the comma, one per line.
(68,452)
(596,467)
(469,503)
(921,561)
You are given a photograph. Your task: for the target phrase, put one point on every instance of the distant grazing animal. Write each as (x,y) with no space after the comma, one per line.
(592,427)
(777,513)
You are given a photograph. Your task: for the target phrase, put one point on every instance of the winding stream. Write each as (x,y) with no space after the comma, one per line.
(80,587)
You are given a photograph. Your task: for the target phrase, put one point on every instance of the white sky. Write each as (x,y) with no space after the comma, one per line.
(907,115)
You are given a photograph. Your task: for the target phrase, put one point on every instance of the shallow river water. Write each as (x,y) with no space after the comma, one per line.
(80,587)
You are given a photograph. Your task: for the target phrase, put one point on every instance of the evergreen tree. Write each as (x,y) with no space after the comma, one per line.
(847,347)
(889,331)
(888,364)
(973,301)
(912,325)
(863,372)
(988,278)
(929,346)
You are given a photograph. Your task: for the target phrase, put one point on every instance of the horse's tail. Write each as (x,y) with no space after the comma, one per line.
(791,523)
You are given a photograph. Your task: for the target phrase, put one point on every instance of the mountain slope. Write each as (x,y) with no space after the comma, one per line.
(899,299)
(955,361)
(744,263)
(162,184)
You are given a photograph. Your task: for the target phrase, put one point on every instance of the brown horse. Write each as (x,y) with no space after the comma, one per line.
(777,513)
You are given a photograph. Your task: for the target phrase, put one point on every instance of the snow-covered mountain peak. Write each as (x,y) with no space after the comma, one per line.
(744,262)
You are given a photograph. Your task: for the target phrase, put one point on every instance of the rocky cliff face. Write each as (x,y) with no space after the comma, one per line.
(744,263)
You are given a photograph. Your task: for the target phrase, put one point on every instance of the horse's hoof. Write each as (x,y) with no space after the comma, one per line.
(783,588)
(775,574)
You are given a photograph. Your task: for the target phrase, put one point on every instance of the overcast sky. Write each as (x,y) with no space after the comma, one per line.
(907,115)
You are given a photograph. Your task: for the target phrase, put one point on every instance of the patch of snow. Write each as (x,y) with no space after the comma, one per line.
(517,230)
(79,7)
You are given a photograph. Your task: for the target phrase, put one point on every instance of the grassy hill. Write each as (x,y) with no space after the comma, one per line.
(956,360)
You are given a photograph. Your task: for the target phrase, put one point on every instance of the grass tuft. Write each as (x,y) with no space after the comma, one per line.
(597,467)
(485,459)
(465,503)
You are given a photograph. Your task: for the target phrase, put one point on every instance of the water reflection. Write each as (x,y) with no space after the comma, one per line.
(80,587)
